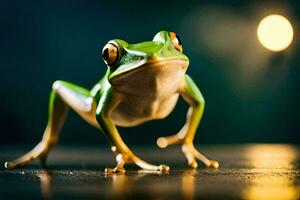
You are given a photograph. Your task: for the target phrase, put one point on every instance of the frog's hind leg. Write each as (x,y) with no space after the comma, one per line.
(63,96)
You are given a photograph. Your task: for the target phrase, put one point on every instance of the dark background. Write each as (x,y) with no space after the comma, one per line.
(252,94)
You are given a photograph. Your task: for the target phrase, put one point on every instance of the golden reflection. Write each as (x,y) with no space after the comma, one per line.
(274,180)
(45,184)
(264,156)
(123,185)
(188,184)
(268,187)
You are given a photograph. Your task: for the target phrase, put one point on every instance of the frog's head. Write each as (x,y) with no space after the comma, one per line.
(151,57)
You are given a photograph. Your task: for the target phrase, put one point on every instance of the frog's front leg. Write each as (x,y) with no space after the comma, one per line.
(108,102)
(192,95)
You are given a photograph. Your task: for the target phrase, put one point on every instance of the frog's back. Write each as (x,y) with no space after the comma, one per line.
(148,93)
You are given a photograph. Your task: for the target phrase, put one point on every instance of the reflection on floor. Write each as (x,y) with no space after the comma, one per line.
(246,171)
(273,164)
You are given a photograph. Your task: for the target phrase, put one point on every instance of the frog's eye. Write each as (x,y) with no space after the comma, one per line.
(110,54)
(176,41)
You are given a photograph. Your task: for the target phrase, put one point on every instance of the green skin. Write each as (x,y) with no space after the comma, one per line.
(143,85)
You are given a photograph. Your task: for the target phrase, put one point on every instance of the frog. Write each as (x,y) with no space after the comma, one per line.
(143,82)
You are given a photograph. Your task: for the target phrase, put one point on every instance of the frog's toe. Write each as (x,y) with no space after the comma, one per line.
(162,142)
(9,165)
(116,170)
(163,168)
(193,164)
(214,164)
(120,170)
(192,154)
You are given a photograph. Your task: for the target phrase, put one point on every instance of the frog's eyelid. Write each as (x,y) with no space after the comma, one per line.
(138,53)
(161,37)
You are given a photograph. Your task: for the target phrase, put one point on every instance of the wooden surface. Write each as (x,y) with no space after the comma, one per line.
(246,171)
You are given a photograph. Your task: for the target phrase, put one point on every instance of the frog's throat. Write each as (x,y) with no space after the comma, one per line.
(155,63)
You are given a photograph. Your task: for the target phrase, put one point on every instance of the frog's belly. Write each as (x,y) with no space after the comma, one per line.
(137,110)
(148,93)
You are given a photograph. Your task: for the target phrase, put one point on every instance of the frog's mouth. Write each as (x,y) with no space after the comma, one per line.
(150,67)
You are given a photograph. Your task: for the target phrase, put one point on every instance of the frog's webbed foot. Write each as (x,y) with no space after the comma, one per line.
(191,153)
(119,169)
(129,158)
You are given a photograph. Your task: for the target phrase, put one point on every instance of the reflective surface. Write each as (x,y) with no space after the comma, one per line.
(247,171)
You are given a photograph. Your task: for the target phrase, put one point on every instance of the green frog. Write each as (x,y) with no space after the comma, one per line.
(142,82)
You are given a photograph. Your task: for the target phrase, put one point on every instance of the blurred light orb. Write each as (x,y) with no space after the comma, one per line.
(275,32)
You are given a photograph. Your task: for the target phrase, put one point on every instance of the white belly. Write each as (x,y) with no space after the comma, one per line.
(137,110)
(147,94)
